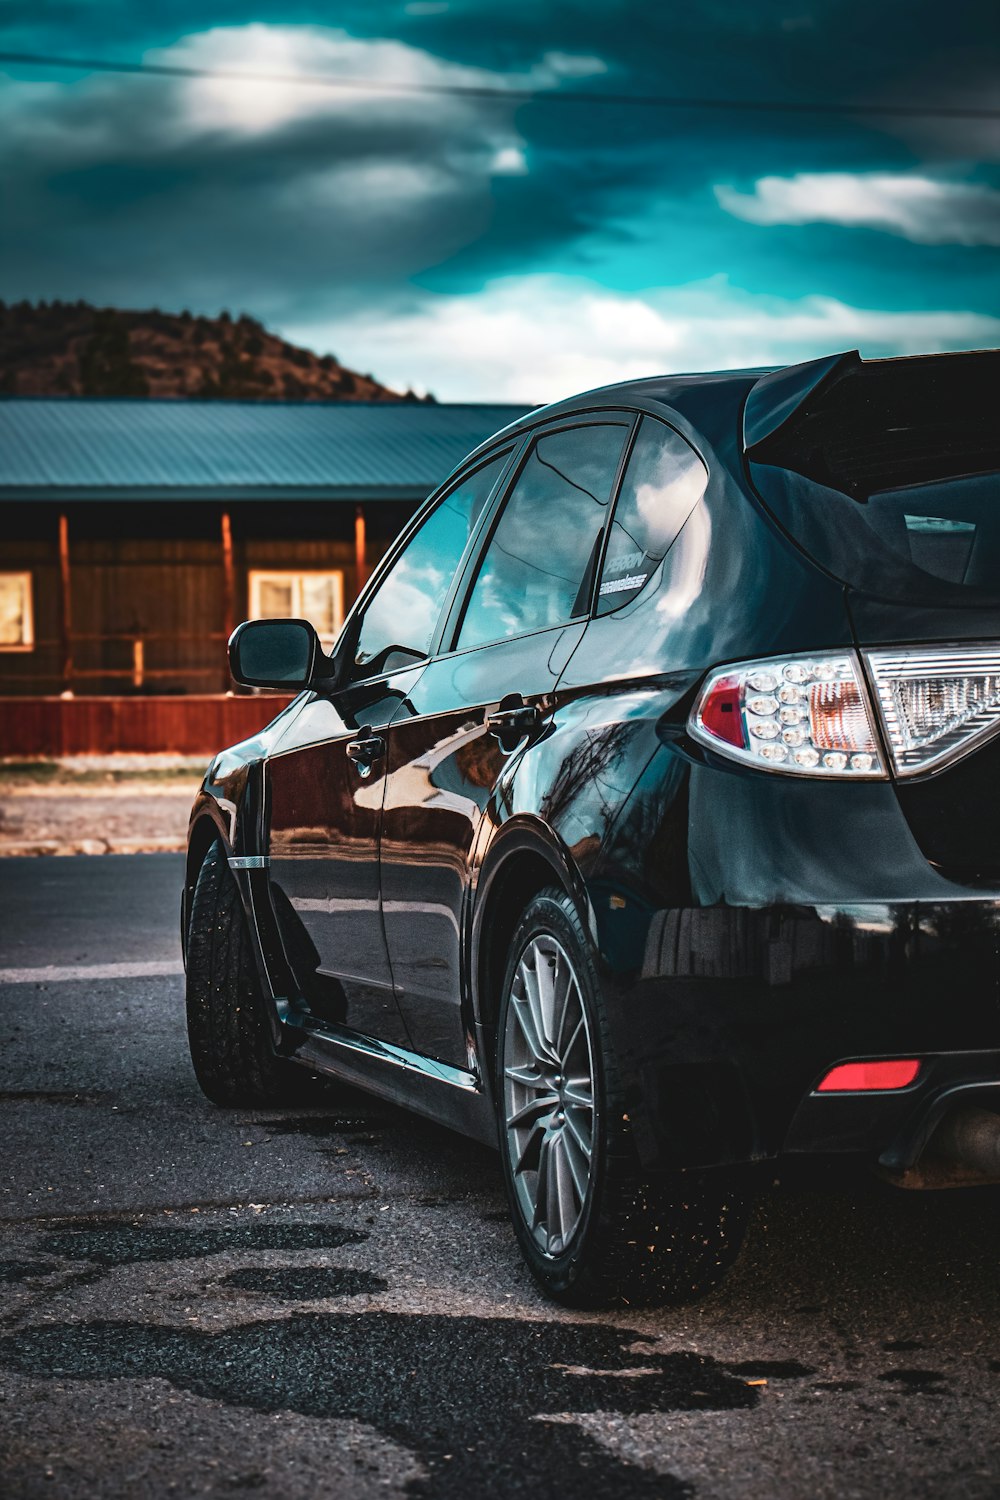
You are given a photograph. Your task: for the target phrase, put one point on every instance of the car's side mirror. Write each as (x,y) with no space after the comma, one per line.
(275,653)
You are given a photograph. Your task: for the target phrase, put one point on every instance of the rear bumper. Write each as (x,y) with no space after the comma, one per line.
(740,1012)
(894,1127)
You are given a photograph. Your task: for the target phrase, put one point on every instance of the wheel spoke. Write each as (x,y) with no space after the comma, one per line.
(528,1075)
(533,1000)
(527,1021)
(565,993)
(569,1198)
(530,1112)
(579,1092)
(523,1162)
(583,1139)
(567,1051)
(555,1219)
(546,980)
(578,1161)
(541,1215)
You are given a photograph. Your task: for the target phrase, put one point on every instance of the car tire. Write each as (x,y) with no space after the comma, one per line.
(229,1031)
(592,1230)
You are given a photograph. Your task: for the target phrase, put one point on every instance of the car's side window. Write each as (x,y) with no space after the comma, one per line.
(399,621)
(538,567)
(662,484)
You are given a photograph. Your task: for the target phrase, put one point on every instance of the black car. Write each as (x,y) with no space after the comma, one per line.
(644,820)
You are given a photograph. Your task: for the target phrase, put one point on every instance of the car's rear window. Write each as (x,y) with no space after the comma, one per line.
(920,542)
(663,482)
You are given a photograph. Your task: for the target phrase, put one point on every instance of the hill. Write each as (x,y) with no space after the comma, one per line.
(74,349)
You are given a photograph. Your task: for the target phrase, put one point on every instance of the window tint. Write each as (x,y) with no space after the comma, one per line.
(900,543)
(400,619)
(663,482)
(539,564)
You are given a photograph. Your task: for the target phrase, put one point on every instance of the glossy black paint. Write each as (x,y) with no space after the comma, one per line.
(324,792)
(752,929)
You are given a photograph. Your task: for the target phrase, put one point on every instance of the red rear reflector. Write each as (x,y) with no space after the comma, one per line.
(856,1076)
(720,712)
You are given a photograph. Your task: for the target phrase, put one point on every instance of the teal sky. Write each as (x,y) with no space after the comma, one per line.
(486,248)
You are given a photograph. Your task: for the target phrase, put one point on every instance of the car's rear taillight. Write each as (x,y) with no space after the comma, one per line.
(937,702)
(803,715)
(880,1075)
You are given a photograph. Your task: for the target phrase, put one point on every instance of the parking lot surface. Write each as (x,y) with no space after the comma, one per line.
(329,1300)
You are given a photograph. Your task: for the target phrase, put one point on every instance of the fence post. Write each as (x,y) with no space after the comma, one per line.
(228,590)
(65,606)
(360,548)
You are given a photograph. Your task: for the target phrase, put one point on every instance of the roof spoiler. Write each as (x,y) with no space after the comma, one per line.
(861,426)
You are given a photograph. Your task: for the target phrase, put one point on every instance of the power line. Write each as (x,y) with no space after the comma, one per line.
(511,95)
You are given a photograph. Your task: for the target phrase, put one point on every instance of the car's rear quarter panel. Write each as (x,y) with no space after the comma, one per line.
(753,928)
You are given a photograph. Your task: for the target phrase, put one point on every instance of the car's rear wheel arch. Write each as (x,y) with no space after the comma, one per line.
(526,864)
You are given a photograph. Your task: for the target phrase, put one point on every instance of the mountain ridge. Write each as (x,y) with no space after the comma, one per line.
(76,349)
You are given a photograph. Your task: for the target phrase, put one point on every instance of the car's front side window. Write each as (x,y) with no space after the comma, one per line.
(538,567)
(399,621)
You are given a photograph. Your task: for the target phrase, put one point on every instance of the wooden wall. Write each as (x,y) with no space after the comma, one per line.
(154,571)
(193,725)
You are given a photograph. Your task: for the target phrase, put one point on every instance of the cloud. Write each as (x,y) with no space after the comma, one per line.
(299,54)
(267,196)
(923,209)
(510,161)
(333,214)
(539,338)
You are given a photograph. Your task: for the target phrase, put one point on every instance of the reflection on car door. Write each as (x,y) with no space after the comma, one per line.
(443,765)
(524,614)
(325,795)
(324,810)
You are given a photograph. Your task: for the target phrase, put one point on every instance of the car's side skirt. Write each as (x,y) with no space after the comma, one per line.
(450,1096)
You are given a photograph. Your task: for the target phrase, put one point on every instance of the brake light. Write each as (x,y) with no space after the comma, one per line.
(937,703)
(804,715)
(856,1077)
(721,713)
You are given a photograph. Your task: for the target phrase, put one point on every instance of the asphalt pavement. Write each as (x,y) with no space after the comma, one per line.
(328,1301)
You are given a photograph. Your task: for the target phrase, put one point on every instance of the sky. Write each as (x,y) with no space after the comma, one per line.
(497,249)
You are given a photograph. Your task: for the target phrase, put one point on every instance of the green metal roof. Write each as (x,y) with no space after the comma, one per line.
(92,449)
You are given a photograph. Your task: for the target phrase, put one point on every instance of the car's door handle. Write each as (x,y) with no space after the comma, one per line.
(364,753)
(512,719)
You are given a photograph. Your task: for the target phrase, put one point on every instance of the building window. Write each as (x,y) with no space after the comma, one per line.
(316,597)
(17,630)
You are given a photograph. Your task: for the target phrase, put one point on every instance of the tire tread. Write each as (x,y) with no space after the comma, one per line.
(228,1028)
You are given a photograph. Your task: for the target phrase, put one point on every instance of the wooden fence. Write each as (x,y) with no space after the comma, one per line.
(192,724)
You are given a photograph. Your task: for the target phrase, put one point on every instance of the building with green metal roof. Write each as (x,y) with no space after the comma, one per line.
(137,533)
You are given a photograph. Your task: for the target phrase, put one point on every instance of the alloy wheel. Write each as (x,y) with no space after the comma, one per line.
(548,1083)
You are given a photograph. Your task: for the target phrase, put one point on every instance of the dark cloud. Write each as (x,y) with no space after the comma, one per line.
(302,206)
(116,184)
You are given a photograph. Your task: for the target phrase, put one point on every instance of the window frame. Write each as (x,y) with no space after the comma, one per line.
(257,576)
(613,506)
(25,576)
(509,450)
(515,444)
(604,416)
